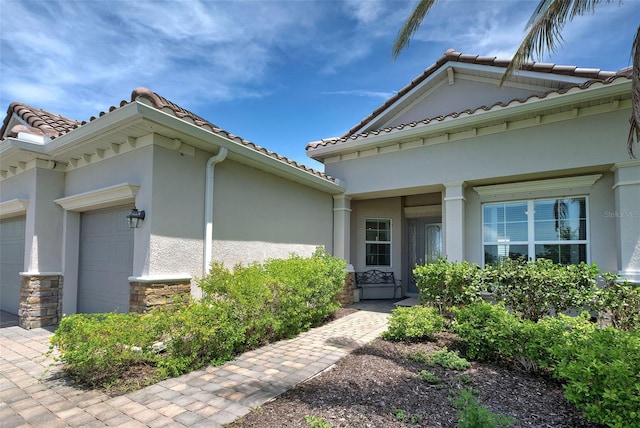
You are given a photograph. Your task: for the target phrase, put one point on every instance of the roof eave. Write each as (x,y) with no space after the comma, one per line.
(574,95)
(203,139)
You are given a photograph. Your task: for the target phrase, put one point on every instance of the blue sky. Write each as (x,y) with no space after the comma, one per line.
(278,73)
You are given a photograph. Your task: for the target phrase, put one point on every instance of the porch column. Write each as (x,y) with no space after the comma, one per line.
(627,215)
(454,221)
(342,227)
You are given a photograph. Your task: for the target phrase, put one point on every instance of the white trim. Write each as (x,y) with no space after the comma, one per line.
(389,242)
(13,208)
(161,279)
(27,274)
(567,185)
(626,183)
(111,196)
(423,211)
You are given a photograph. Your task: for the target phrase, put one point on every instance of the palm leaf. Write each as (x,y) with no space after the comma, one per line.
(411,25)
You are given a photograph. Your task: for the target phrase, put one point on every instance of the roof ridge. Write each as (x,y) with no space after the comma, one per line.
(625,73)
(161,103)
(455,56)
(40,122)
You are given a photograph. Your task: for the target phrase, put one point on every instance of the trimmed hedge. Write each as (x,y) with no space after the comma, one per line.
(242,309)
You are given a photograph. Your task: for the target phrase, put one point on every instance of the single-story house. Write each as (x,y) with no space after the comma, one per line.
(453,165)
(67,187)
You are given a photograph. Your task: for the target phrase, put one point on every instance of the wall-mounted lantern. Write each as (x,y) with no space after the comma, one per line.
(134,218)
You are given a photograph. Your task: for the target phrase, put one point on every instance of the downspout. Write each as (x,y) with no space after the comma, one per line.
(208,207)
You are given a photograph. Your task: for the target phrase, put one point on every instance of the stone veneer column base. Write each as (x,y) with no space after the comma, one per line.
(345,297)
(146,294)
(40,300)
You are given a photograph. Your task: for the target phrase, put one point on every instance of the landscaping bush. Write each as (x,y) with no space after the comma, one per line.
(202,333)
(98,349)
(602,374)
(414,323)
(242,309)
(445,284)
(620,302)
(489,332)
(535,289)
(280,298)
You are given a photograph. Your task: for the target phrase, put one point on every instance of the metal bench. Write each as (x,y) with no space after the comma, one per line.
(376,279)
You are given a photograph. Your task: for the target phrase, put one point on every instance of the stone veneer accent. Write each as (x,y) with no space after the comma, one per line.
(40,300)
(146,295)
(345,297)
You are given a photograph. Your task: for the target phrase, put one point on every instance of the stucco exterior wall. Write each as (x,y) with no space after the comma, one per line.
(257,215)
(384,208)
(529,153)
(463,95)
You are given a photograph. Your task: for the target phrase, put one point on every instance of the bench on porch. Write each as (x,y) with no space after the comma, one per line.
(376,279)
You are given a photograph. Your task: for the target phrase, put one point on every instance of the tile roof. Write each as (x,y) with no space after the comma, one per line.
(594,76)
(41,122)
(52,125)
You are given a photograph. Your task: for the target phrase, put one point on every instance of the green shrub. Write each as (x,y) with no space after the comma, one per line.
(280,298)
(448,360)
(242,309)
(445,284)
(414,323)
(202,333)
(620,300)
(488,331)
(429,377)
(602,374)
(535,289)
(471,414)
(98,349)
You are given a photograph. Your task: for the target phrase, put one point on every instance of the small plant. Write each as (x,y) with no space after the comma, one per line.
(414,323)
(317,422)
(471,414)
(448,359)
(418,356)
(464,378)
(399,414)
(429,377)
(416,419)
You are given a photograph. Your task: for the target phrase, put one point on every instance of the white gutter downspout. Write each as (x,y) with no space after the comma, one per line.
(208,207)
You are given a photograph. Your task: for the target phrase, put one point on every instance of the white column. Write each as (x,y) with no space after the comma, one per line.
(342,227)
(453,217)
(627,198)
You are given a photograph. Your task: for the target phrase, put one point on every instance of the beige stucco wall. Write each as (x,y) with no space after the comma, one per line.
(383,208)
(581,146)
(257,215)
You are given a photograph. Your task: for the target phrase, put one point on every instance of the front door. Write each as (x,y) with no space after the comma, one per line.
(425,246)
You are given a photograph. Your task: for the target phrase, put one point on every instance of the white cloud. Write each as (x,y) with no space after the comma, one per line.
(362,93)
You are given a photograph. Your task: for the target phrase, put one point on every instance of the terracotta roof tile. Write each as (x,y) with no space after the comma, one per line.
(44,123)
(40,122)
(625,73)
(453,55)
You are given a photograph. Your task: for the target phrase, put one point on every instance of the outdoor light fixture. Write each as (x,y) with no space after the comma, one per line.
(134,218)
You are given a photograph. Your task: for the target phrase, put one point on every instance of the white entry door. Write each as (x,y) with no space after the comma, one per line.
(106,261)
(11,262)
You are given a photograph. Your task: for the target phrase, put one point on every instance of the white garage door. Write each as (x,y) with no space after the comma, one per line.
(106,261)
(11,262)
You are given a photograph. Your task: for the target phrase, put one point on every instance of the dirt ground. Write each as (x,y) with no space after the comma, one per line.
(367,388)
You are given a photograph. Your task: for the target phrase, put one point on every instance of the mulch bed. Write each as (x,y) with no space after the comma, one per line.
(364,388)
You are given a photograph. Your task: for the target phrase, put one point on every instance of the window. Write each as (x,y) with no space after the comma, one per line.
(378,242)
(554,229)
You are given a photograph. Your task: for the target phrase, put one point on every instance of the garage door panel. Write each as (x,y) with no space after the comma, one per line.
(11,262)
(106,261)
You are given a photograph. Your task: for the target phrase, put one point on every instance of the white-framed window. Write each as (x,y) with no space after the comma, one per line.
(378,242)
(555,229)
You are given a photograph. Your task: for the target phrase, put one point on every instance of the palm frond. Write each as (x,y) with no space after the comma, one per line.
(545,29)
(411,26)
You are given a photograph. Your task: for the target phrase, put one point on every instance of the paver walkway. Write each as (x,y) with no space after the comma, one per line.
(209,398)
